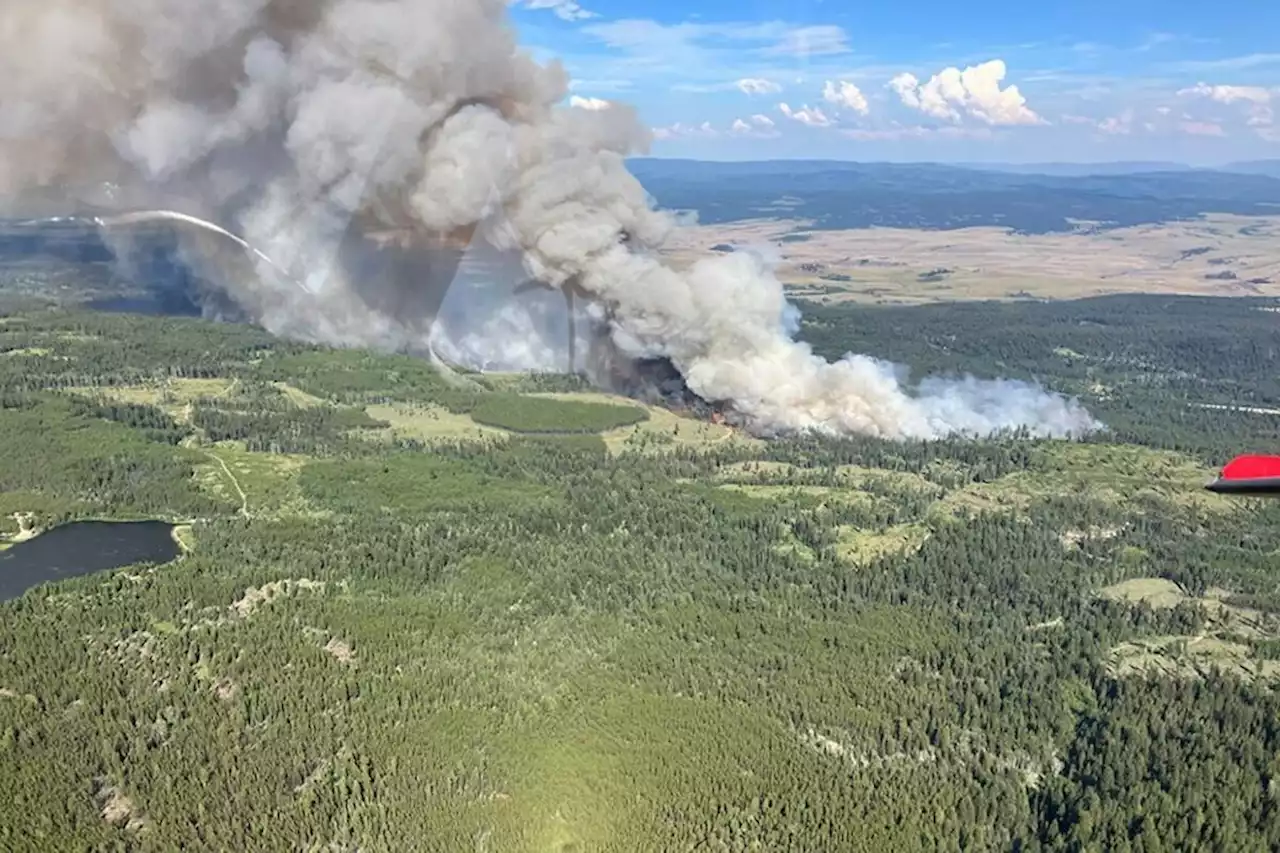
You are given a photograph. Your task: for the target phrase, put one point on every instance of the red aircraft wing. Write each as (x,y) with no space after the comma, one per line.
(1249,475)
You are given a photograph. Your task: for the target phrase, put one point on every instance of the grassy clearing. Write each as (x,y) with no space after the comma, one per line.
(1129,471)
(1240,621)
(788,544)
(821,495)
(1189,657)
(756,471)
(215,477)
(173,396)
(660,431)
(1223,617)
(1223,644)
(861,547)
(297,396)
(542,415)
(502,380)
(268,482)
(1013,493)
(666,431)
(1154,592)
(431,423)
(1110,474)
(841,477)
(357,376)
(663,430)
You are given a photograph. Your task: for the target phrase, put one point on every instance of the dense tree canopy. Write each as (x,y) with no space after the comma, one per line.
(485,640)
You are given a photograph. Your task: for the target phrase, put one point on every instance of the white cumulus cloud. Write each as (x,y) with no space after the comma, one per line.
(952,94)
(757,86)
(758,127)
(1121,125)
(1258,98)
(681,130)
(1229,94)
(897,132)
(566,10)
(845,94)
(812,116)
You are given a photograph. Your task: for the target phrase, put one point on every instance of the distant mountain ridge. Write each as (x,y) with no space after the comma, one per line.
(1126,167)
(1122,167)
(1255,167)
(848,194)
(1269,167)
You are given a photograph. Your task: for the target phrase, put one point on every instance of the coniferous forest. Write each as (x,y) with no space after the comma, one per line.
(498,614)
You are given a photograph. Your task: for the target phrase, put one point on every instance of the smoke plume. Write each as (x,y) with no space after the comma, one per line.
(323,131)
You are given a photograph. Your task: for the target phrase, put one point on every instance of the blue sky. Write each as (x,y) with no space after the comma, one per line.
(1077,80)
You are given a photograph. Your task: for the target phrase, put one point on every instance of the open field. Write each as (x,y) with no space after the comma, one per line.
(298,397)
(663,429)
(262,484)
(1110,476)
(1114,475)
(860,547)
(164,393)
(847,477)
(430,423)
(173,396)
(1221,255)
(1224,642)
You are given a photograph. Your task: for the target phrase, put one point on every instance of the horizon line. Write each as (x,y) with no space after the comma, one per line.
(969,163)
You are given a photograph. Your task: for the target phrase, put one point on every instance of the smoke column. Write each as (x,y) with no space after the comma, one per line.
(296,123)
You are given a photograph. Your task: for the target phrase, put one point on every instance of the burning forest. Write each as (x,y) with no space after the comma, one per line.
(331,163)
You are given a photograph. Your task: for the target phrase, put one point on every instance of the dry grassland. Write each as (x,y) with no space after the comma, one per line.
(901,265)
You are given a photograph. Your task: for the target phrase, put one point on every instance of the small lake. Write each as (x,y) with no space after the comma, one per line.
(82,548)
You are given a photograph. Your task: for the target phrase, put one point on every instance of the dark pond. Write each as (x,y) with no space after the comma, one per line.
(82,548)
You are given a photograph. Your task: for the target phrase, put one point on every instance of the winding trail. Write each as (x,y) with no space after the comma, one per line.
(244,498)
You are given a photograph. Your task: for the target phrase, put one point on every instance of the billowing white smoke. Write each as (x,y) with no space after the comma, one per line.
(287,121)
(484,324)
